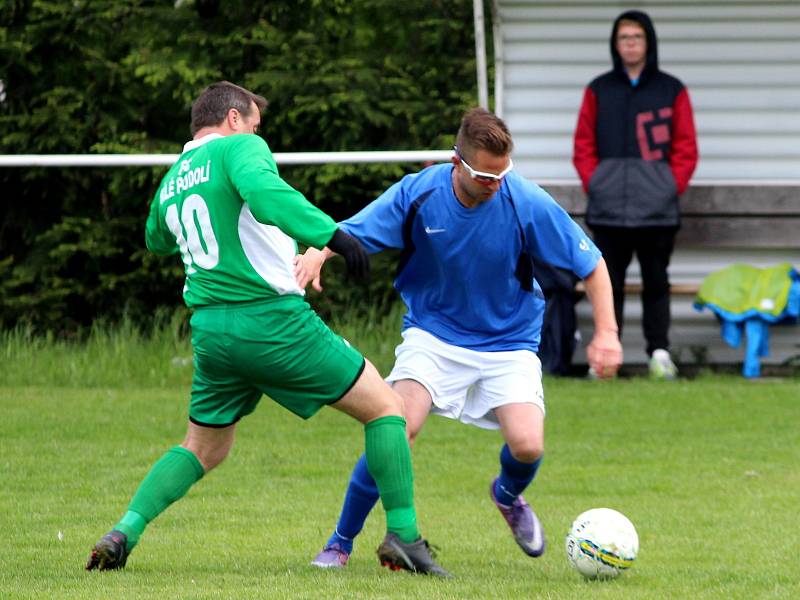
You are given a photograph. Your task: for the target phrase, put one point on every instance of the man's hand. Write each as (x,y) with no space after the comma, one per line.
(352,251)
(308,268)
(605,353)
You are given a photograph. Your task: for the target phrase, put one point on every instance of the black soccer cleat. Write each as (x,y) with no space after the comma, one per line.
(111,552)
(415,557)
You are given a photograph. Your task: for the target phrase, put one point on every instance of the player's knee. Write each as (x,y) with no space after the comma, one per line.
(384,401)
(379,405)
(214,458)
(209,455)
(527,451)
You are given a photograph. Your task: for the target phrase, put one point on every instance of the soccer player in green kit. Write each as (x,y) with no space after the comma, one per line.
(234,221)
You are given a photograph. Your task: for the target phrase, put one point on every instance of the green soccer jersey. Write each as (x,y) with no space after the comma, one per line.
(224,207)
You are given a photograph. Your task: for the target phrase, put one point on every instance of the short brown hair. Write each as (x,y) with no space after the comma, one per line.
(212,105)
(483,130)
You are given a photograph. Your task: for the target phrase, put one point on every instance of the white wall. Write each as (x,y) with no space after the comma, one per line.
(740,61)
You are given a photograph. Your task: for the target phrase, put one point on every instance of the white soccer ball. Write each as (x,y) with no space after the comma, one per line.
(602,543)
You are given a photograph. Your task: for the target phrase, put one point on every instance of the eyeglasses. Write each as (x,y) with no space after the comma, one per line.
(635,37)
(481,177)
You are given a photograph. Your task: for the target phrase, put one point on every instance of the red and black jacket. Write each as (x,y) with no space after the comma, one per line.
(635,146)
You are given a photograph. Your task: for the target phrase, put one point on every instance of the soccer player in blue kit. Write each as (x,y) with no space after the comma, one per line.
(468,232)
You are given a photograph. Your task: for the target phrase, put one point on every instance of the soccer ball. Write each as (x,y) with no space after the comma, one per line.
(602,543)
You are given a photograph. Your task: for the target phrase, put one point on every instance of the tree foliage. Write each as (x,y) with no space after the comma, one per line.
(118,76)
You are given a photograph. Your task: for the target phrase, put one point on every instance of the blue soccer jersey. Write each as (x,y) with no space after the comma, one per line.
(457,267)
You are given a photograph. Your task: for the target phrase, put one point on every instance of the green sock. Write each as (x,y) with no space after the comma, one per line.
(168,480)
(389,463)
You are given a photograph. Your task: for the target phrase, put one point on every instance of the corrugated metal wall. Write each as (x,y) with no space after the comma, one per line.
(741,63)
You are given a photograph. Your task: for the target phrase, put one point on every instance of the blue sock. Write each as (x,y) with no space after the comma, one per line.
(362,495)
(514,477)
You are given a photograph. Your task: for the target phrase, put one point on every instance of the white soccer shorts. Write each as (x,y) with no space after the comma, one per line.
(468,385)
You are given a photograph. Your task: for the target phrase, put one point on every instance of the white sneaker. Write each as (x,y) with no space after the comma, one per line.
(661,365)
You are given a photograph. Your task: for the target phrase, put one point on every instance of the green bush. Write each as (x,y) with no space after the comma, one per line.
(118,76)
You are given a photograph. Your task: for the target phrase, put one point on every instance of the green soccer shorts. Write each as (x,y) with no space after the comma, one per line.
(278,347)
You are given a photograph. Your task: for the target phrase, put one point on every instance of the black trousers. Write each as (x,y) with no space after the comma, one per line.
(653,247)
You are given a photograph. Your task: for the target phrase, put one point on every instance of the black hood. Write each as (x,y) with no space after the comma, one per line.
(643,19)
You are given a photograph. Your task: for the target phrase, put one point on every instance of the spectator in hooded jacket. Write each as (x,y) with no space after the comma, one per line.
(635,151)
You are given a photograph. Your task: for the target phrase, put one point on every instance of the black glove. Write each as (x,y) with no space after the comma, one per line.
(352,251)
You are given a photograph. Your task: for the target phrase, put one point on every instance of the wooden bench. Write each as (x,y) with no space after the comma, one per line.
(759,223)
(721,225)
(677,289)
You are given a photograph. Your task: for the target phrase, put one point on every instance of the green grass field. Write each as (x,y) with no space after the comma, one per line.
(706,469)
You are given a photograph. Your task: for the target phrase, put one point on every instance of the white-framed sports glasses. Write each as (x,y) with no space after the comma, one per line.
(480,176)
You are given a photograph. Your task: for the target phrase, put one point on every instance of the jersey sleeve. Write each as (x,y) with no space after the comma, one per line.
(252,171)
(158,238)
(552,235)
(379,225)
